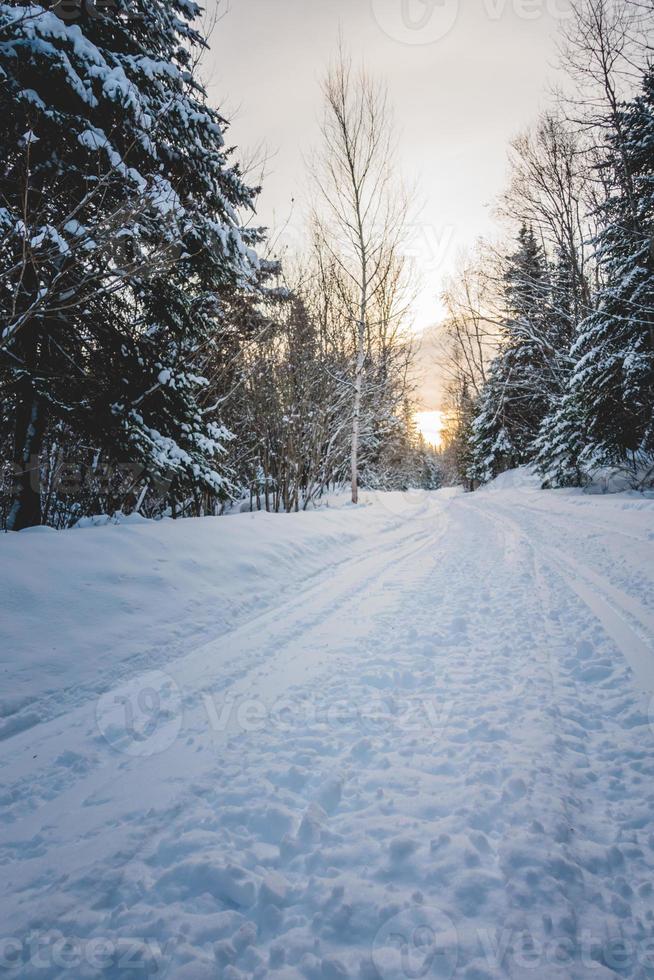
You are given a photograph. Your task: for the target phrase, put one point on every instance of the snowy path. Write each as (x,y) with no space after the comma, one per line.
(431,757)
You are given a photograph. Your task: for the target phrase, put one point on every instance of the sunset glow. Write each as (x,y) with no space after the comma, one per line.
(430,425)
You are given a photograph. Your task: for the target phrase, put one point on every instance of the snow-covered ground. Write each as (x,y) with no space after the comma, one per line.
(413,739)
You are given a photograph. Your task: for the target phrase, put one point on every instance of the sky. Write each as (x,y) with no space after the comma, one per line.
(464,77)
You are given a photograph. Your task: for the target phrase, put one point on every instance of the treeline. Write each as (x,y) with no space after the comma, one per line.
(154,355)
(549,342)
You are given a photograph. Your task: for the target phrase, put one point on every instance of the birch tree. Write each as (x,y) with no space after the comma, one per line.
(360,211)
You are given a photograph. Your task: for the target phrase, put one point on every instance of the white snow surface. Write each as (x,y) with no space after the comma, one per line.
(409,739)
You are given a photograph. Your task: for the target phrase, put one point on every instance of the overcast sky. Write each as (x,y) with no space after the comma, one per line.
(464,77)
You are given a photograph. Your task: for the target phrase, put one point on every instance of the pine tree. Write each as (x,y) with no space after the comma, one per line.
(492,449)
(613,381)
(559,442)
(119,235)
(456,454)
(559,445)
(513,402)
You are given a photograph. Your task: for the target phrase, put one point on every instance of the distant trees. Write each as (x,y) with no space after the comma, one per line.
(291,412)
(468,343)
(290,416)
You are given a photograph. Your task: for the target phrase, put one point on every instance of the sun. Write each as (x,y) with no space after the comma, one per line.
(430,426)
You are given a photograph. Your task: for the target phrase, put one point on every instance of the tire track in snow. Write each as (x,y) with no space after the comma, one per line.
(35,711)
(625,619)
(93,794)
(593,880)
(617,612)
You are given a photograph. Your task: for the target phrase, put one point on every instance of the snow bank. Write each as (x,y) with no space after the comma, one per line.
(86,608)
(604,481)
(522,478)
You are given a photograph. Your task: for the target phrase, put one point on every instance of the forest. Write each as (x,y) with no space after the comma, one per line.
(158,355)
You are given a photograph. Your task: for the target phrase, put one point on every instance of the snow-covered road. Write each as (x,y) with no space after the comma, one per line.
(417,742)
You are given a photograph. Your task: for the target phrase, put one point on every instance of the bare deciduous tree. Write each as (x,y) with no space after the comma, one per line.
(361,212)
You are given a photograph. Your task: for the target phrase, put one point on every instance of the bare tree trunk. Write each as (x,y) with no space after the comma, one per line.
(358,390)
(30,423)
(30,426)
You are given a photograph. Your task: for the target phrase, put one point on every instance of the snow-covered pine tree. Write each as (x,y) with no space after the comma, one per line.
(513,402)
(559,442)
(613,381)
(120,231)
(559,445)
(491,449)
